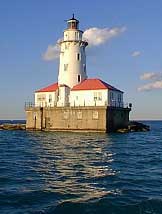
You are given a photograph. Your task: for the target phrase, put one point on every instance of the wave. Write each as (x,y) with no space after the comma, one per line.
(106,206)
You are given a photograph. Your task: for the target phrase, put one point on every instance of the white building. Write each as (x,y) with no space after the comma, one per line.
(47,96)
(73,87)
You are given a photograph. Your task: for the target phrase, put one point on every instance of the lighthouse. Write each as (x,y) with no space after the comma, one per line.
(72,67)
(76,102)
(73,87)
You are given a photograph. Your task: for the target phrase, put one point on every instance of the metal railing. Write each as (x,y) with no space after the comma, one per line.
(114,104)
(29,105)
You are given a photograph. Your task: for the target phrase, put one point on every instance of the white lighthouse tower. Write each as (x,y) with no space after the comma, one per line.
(72,68)
(76,102)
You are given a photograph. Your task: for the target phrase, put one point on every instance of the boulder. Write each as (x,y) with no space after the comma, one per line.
(134,126)
(138,127)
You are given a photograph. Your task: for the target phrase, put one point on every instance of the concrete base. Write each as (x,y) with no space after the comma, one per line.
(83,119)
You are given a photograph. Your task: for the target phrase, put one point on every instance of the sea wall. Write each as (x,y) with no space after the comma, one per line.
(95,119)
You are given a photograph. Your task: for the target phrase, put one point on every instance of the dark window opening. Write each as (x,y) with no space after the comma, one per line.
(78,56)
(79,78)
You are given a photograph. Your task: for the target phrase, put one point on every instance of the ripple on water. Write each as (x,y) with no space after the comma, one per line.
(45,172)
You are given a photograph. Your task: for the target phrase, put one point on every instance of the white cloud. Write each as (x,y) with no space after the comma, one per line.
(94,36)
(151,86)
(52,52)
(151,76)
(136,54)
(155,77)
(98,36)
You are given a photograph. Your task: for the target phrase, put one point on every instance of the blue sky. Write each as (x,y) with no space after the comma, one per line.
(28,27)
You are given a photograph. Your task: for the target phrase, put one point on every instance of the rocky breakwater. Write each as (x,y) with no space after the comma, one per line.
(135,126)
(8,126)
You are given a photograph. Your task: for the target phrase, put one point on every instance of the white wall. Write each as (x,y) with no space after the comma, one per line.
(96,98)
(75,67)
(63,96)
(43,99)
(79,98)
(89,97)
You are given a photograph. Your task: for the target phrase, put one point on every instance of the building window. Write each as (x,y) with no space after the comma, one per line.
(73,25)
(65,67)
(111,96)
(50,98)
(97,96)
(41,97)
(119,98)
(78,56)
(79,78)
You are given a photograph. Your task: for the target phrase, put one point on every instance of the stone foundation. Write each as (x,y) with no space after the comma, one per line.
(92,119)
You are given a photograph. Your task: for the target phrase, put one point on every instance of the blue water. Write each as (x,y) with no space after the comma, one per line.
(47,172)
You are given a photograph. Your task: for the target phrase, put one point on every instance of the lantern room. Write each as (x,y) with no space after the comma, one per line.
(73,23)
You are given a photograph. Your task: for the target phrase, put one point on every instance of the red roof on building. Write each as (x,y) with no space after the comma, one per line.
(49,88)
(93,84)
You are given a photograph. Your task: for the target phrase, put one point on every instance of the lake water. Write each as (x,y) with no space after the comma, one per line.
(48,172)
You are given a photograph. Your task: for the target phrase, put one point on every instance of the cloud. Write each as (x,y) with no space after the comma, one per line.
(52,52)
(136,54)
(155,78)
(98,36)
(151,76)
(151,86)
(95,37)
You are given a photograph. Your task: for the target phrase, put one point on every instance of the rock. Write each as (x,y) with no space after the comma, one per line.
(134,126)
(123,130)
(8,126)
(137,127)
